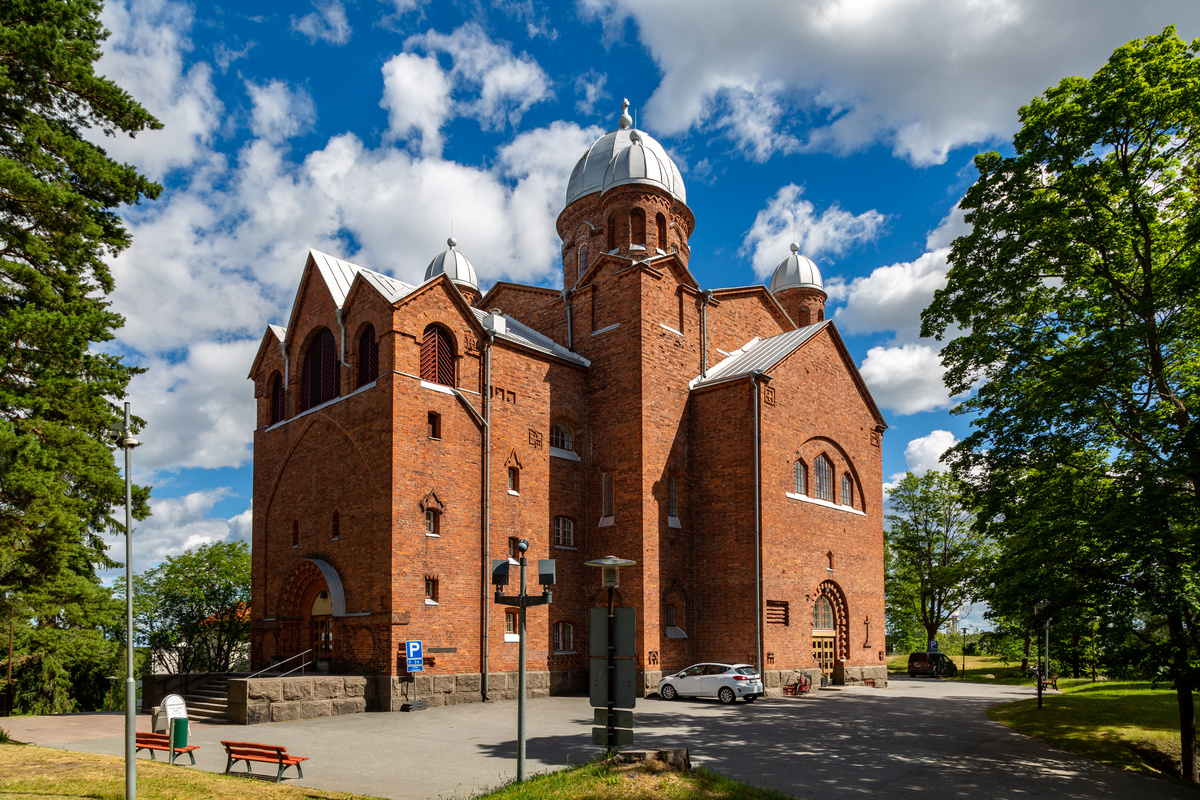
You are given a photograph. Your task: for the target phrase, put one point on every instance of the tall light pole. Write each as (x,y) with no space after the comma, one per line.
(546,577)
(127,442)
(964,649)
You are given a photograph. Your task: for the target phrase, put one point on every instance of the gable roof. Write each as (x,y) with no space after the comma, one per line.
(763,354)
(757,354)
(340,276)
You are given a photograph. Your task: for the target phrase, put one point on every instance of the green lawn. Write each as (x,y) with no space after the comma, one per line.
(1126,724)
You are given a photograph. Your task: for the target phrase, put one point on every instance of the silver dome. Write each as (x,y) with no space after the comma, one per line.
(796,271)
(454,264)
(590,173)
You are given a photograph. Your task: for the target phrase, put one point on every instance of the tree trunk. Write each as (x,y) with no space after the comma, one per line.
(1075,653)
(1187,711)
(1025,658)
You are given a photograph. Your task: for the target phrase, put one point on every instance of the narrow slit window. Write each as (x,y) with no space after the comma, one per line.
(368,357)
(336,526)
(847,491)
(672,497)
(608,495)
(637,227)
(278,399)
(295,533)
(514,480)
(660,223)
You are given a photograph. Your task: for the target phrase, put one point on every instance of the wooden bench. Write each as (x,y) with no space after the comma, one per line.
(1051,684)
(266,753)
(162,741)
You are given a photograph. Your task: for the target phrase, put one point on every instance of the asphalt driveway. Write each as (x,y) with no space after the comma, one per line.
(915,737)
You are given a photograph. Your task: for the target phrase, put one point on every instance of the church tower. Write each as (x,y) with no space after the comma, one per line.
(625,197)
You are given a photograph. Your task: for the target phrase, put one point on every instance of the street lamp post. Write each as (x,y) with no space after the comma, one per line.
(546,577)
(964,652)
(127,442)
(1094,621)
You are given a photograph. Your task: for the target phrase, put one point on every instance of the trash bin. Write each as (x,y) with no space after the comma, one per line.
(179,734)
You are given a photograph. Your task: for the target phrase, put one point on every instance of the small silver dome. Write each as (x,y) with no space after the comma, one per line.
(796,271)
(454,264)
(588,177)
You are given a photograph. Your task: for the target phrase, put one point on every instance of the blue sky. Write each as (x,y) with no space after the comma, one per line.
(368,129)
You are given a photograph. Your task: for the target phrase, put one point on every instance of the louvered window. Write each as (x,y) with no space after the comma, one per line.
(278,399)
(368,357)
(437,356)
(319,379)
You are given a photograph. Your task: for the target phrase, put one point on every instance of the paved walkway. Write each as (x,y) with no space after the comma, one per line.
(917,736)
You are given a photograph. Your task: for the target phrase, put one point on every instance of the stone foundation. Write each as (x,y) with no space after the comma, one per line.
(256,700)
(857,676)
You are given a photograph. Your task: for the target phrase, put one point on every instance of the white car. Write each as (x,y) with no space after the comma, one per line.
(726,682)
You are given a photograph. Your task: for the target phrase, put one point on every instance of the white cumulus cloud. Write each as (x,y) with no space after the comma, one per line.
(906,379)
(416,94)
(176,525)
(280,112)
(918,76)
(788,217)
(504,85)
(327,23)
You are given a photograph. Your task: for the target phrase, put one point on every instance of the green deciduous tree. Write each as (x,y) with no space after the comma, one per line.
(933,551)
(58,198)
(192,610)
(1076,295)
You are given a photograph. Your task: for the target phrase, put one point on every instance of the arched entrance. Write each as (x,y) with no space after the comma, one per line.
(830,639)
(311,601)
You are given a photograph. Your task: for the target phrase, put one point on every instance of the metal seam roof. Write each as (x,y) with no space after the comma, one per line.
(528,337)
(757,354)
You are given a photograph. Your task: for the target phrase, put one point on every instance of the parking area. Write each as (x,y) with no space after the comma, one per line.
(918,736)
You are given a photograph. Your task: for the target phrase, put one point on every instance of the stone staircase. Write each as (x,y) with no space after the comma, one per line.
(209,701)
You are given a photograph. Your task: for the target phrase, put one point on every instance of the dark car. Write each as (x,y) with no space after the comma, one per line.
(935,665)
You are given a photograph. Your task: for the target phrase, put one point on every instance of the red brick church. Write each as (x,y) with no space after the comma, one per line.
(721,438)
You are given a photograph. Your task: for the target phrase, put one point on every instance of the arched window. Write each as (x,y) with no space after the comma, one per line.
(583,263)
(821,315)
(278,399)
(823,614)
(660,223)
(800,477)
(608,495)
(564,637)
(804,317)
(824,474)
(847,491)
(564,531)
(560,437)
(368,357)
(319,378)
(612,233)
(637,227)
(437,356)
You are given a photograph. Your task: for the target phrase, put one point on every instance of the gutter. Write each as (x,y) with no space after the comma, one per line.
(708,294)
(758,615)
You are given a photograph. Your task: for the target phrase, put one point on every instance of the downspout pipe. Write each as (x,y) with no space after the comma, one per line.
(283,350)
(704,333)
(487,507)
(342,357)
(758,619)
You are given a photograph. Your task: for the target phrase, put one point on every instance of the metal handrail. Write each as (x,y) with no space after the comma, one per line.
(281,663)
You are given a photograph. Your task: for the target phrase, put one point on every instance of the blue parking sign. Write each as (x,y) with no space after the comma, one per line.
(413,655)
